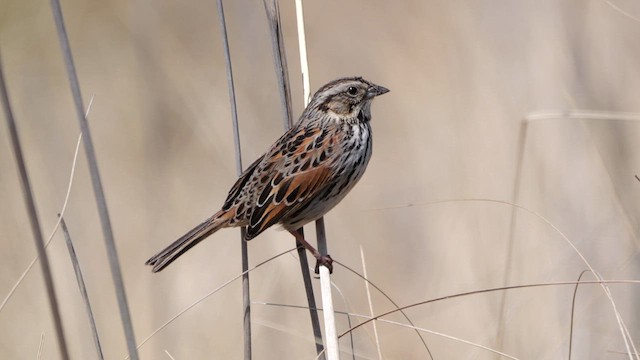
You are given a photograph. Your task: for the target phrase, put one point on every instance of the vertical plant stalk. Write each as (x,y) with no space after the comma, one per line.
(347,312)
(96,182)
(273,18)
(513,223)
(82,287)
(573,310)
(55,228)
(302,45)
(33,218)
(311,299)
(601,116)
(280,59)
(330,333)
(366,284)
(391,301)
(328,314)
(246,295)
(40,347)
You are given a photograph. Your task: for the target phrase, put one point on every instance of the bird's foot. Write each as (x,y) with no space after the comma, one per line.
(325,260)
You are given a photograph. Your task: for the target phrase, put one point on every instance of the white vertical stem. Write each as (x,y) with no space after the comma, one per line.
(331,336)
(302,45)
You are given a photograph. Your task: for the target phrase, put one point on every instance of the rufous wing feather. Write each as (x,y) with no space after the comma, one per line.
(286,197)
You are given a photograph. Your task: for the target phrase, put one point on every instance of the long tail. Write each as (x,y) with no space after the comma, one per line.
(165,257)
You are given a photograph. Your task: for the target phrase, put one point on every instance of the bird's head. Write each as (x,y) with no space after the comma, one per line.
(346,99)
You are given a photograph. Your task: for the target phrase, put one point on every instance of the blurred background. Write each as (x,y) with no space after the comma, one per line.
(518,102)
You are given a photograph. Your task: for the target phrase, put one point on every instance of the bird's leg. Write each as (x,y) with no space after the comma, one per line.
(325,260)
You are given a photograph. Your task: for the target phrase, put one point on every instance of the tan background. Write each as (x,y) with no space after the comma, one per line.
(463,75)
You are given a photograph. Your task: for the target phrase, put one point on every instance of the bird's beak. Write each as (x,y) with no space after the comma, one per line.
(375,90)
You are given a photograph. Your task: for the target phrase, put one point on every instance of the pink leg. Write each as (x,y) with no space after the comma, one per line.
(325,260)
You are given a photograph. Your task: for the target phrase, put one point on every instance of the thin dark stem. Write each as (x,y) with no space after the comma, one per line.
(112,253)
(311,300)
(246,294)
(231,87)
(280,59)
(513,227)
(573,308)
(82,287)
(321,237)
(273,17)
(33,219)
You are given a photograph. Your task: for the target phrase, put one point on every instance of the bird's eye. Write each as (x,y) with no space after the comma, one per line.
(352,90)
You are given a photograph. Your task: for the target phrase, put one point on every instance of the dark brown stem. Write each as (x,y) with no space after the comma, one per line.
(324,260)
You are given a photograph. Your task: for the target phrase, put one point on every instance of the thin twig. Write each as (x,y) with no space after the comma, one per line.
(114,262)
(71,175)
(513,222)
(40,346)
(579,114)
(169,355)
(27,194)
(573,308)
(620,352)
(280,60)
(453,296)
(451,338)
(330,333)
(348,307)
(55,228)
(302,46)
(621,324)
(487,290)
(82,287)
(311,300)
(625,13)
(366,285)
(231,87)
(398,324)
(246,294)
(321,237)
(391,301)
(181,312)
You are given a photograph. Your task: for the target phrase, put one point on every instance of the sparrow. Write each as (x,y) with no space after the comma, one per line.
(302,176)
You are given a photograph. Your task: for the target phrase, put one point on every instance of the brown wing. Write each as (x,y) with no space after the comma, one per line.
(302,169)
(240,183)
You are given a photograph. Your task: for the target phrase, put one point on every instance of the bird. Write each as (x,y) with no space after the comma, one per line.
(302,176)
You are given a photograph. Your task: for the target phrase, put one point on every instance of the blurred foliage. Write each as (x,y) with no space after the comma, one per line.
(463,74)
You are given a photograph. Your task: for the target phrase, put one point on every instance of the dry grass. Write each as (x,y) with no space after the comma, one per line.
(463,75)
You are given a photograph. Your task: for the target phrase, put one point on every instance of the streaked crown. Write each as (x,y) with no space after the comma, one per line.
(345,98)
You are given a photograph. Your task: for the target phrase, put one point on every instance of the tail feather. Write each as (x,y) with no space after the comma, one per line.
(186,242)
